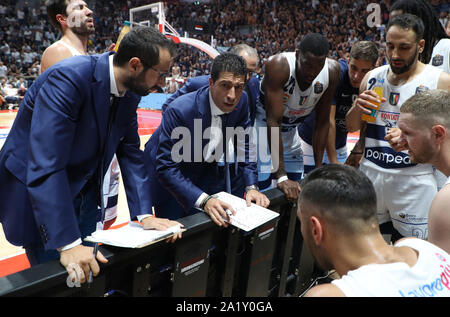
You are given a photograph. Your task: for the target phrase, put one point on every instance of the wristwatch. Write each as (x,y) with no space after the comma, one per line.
(202,206)
(248,188)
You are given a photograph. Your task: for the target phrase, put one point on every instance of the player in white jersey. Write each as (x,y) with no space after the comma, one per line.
(424,130)
(441,55)
(437,44)
(404,189)
(427,277)
(293,85)
(363,56)
(75,21)
(337,213)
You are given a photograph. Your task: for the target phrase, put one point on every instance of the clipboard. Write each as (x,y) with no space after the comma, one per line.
(132,235)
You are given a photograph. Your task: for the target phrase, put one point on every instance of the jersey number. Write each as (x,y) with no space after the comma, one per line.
(372,82)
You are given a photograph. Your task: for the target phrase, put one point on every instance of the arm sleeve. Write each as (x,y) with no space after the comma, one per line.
(53,127)
(168,170)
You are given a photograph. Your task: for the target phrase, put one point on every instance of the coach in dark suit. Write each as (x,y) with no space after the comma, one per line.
(250,56)
(65,128)
(183,155)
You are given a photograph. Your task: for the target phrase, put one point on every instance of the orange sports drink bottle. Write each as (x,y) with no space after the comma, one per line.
(125,30)
(376,106)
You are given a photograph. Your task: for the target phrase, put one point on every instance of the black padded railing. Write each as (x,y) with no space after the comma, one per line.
(269,261)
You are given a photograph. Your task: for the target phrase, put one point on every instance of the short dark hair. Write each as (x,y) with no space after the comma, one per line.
(343,195)
(143,42)
(55,7)
(433,31)
(364,50)
(408,21)
(228,62)
(315,43)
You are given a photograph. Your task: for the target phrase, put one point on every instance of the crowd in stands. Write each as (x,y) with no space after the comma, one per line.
(269,26)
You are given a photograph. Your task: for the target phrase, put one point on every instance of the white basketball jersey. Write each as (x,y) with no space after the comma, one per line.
(378,153)
(441,55)
(297,103)
(427,278)
(72,49)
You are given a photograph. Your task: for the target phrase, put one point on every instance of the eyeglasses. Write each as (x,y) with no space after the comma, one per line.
(161,74)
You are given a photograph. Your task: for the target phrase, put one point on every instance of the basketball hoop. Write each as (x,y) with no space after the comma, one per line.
(142,16)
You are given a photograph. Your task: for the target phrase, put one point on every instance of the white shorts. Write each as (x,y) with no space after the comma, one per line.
(293,156)
(308,156)
(403,199)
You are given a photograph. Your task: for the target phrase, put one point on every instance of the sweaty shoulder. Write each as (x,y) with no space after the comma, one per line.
(325,290)
(54,54)
(276,70)
(334,69)
(444,81)
(439,219)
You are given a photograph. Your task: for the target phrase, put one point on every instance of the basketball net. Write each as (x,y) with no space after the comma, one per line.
(165,28)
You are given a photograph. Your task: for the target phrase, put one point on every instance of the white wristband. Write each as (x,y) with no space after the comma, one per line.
(282,179)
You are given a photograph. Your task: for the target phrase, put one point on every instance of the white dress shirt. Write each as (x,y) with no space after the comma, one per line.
(215,140)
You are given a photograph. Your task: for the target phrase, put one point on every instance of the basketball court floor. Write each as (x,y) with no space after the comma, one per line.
(12,258)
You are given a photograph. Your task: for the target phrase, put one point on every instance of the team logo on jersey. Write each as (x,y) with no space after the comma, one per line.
(421,89)
(393,98)
(318,87)
(438,60)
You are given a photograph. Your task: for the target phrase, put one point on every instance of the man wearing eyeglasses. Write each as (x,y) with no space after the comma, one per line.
(71,122)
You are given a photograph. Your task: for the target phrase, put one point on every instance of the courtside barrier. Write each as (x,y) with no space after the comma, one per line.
(269,261)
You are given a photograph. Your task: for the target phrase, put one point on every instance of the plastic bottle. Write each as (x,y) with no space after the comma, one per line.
(125,30)
(376,106)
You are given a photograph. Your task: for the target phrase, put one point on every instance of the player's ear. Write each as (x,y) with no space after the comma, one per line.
(439,133)
(135,64)
(62,19)
(317,228)
(421,45)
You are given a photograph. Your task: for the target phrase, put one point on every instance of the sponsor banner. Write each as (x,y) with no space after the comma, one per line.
(386,157)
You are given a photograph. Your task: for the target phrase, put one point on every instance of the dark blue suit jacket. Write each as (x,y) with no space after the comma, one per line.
(54,148)
(190,114)
(192,84)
